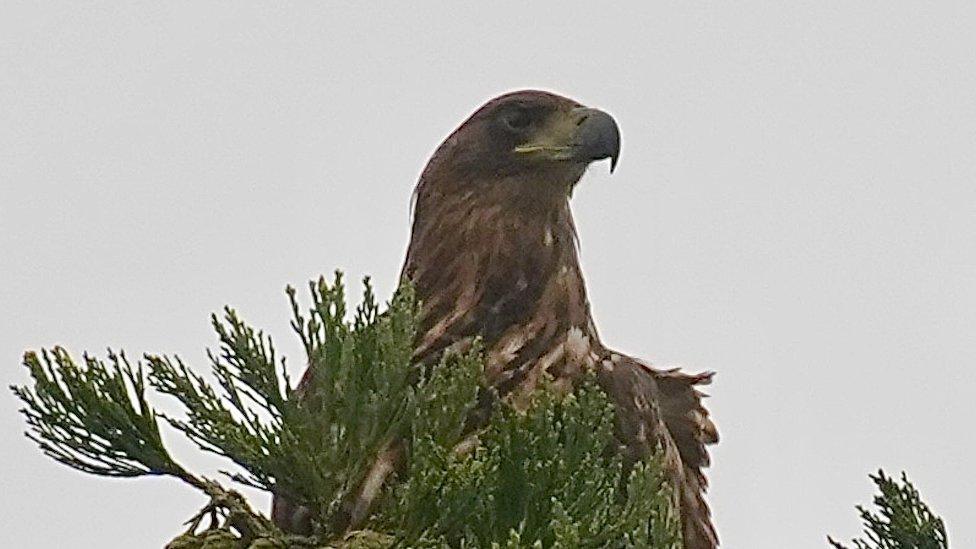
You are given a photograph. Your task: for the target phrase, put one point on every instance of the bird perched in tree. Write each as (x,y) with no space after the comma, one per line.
(493,256)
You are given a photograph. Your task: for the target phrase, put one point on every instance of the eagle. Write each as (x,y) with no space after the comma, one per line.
(494,258)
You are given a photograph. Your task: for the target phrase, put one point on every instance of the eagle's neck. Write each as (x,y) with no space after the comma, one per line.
(499,263)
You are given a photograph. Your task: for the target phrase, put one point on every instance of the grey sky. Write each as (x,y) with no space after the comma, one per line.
(795,208)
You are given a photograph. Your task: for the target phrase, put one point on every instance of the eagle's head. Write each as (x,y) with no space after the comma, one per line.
(529,137)
(493,250)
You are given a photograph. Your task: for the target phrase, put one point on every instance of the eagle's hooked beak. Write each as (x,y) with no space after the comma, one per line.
(597,136)
(586,135)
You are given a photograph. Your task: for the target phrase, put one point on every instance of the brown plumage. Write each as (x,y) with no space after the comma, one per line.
(493,254)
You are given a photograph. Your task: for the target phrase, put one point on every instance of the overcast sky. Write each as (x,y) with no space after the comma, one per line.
(795,208)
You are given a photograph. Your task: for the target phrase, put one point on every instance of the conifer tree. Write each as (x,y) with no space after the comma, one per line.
(903,520)
(546,476)
(542,477)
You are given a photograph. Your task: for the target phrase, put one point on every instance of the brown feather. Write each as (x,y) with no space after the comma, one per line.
(663,409)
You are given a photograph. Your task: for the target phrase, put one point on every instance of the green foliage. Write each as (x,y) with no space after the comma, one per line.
(541,477)
(356,399)
(903,520)
(93,417)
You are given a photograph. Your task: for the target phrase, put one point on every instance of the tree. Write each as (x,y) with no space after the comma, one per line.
(546,476)
(904,522)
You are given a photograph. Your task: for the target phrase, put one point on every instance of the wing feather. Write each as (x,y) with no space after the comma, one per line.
(662,409)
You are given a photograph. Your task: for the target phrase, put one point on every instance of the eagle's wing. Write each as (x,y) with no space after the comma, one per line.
(662,409)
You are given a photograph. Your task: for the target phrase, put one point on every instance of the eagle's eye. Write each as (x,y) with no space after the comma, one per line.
(518,120)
